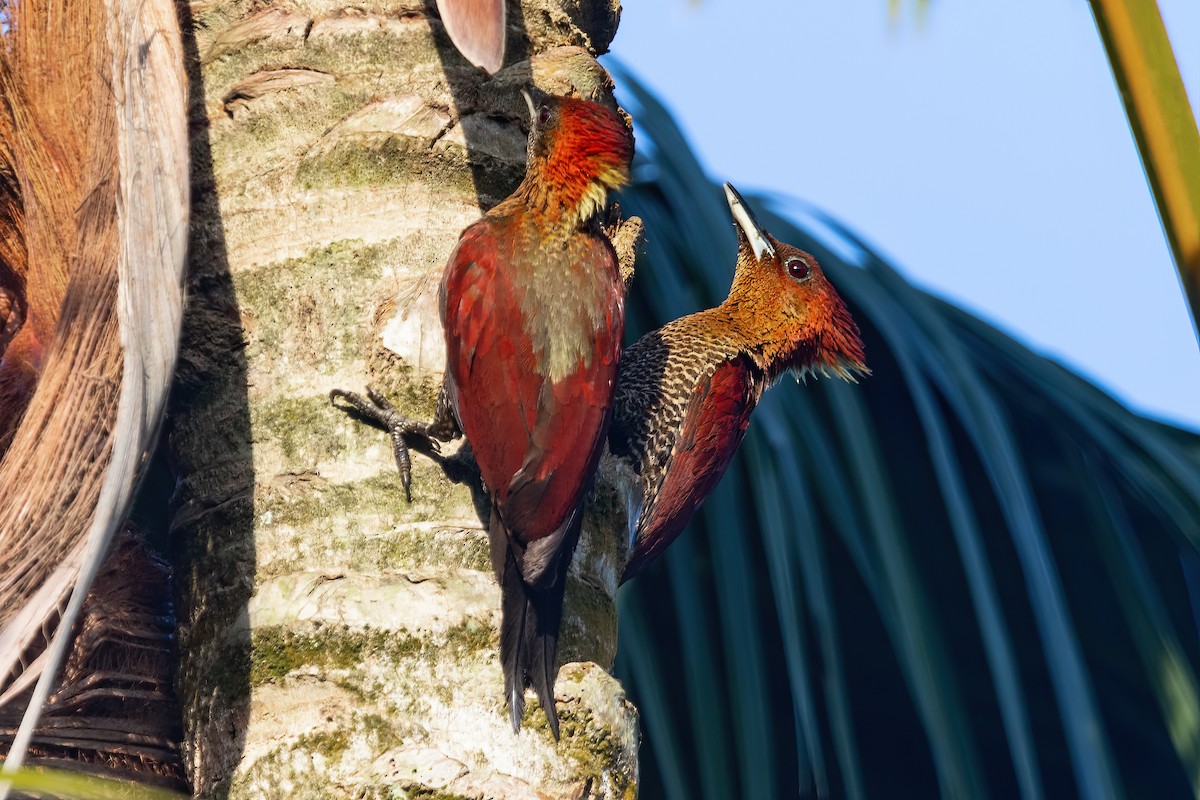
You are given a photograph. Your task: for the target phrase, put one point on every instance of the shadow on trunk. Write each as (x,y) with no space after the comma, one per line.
(211,531)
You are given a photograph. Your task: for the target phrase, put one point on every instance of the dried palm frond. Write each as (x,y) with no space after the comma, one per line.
(92,110)
(114,712)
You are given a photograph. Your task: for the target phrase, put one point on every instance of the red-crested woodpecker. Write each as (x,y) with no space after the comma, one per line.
(532,306)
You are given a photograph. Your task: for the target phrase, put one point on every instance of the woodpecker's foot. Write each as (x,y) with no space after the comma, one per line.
(422,436)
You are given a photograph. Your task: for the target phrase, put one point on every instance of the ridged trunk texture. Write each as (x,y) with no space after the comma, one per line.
(336,641)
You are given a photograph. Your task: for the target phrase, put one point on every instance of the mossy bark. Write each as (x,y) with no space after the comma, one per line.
(336,641)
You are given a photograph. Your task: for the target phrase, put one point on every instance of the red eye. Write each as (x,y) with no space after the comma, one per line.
(797,268)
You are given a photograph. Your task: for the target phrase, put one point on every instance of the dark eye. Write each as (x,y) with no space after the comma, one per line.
(543,115)
(797,268)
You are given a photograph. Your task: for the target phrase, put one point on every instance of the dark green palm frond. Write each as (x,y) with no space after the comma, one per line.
(967,576)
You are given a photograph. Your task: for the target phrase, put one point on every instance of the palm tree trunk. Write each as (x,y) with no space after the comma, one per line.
(334,640)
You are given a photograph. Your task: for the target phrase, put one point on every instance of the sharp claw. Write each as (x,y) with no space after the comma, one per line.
(403,463)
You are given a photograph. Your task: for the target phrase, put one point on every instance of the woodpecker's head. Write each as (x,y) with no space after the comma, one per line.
(578,151)
(782,299)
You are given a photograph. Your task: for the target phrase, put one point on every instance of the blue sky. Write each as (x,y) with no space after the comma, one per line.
(982,147)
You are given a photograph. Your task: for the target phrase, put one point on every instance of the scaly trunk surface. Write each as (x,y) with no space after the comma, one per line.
(334,640)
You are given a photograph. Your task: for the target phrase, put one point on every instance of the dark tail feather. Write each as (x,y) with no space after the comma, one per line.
(542,619)
(529,641)
(514,653)
(530,619)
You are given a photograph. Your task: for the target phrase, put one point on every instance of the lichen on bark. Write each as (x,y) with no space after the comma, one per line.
(336,641)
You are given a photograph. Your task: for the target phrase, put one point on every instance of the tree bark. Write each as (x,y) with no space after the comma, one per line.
(334,640)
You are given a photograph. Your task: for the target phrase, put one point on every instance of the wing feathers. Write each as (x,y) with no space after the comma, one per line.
(716,419)
(536,439)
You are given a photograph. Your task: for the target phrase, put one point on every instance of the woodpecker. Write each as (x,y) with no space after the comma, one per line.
(685,392)
(532,306)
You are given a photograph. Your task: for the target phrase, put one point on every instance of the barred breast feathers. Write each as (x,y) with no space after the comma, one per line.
(658,376)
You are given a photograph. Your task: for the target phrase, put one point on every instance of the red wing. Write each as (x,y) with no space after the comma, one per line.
(536,442)
(713,426)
